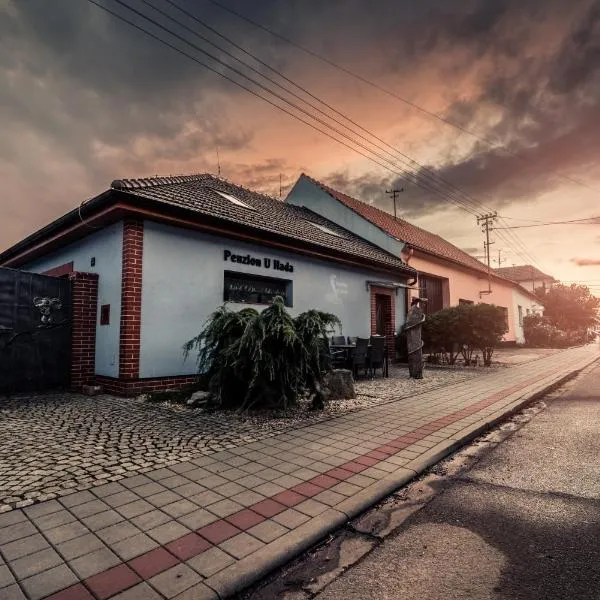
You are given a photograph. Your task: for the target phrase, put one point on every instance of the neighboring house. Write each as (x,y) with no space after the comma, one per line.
(159,255)
(447,275)
(528,276)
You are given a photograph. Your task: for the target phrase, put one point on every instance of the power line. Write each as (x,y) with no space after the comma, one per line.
(493,144)
(589,221)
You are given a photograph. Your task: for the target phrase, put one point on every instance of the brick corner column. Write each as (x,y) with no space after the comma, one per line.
(131,299)
(84,300)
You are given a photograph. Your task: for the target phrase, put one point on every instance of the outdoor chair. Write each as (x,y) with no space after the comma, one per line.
(377,355)
(351,340)
(338,340)
(339,357)
(360,356)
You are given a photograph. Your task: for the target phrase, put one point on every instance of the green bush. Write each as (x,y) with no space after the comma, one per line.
(539,332)
(463,329)
(266,359)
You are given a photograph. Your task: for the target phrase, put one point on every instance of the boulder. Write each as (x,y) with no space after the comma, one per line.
(91,390)
(198,399)
(339,385)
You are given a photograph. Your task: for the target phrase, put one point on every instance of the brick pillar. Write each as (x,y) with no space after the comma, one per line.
(84,294)
(131,299)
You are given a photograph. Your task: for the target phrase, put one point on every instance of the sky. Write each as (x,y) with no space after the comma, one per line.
(86,99)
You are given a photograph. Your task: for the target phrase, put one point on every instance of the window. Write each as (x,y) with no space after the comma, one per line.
(255,289)
(528,311)
(324,229)
(463,301)
(105,314)
(505,310)
(234,200)
(520,309)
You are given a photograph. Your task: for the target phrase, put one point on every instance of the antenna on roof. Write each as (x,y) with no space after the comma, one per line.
(218,163)
(279,185)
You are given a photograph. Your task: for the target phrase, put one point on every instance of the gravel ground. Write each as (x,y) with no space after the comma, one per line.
(55,444)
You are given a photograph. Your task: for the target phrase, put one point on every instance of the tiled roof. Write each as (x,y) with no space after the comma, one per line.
(523,273)
(399,228)
(199,193)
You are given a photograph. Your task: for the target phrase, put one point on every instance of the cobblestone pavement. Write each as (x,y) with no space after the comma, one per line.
(52,445)
(205,528)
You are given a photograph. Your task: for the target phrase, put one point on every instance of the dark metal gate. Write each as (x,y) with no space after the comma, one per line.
(35,331)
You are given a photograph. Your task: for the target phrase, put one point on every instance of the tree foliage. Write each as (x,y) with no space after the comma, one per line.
(463,329)
(266,359)
(569,308)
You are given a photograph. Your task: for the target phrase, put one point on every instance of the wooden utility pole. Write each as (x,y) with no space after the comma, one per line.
(486,222)
(394,193)
(500,260)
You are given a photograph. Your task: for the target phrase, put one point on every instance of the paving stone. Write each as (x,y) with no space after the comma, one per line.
(134,509)
(135,481)
(206,498)
(224,508)
(44,508)
(138,592)
(17,531)
(121,498)
(35,563)
(200,591)
(241,545)
(13,592)
(311,507)
(55,519)
(24,546)
(112,581)
(117,532)
(168,532)
(179,508)
(151,519)
(198,518)
(108,489)
(267,531)
(151,563)
(187,546)
(6,577)
(163,498)
(48,582)
(77,498)
(79,546)
(148,489)
(102,520)
(133,546)
(175,580)
(88,509)
(95,562)
(210,562)
(291,518)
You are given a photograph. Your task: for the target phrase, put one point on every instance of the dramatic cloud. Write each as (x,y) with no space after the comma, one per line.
(86,99)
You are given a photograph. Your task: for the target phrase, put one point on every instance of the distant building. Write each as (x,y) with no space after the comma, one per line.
(447,276)
(528,276)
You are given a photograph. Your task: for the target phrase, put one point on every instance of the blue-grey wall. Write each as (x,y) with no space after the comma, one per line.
(106,246)
(182,284)
(308,194)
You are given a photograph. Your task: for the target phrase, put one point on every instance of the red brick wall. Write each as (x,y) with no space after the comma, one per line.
(84,288)
(133,387)
(131,299)
(390,323)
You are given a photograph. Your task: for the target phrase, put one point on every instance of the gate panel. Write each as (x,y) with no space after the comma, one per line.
(35,331)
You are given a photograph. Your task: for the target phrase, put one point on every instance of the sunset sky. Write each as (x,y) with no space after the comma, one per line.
(85,99)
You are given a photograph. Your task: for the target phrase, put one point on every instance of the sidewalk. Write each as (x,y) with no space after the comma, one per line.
(209,527)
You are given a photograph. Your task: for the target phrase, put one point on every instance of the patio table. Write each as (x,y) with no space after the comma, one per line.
(349,347)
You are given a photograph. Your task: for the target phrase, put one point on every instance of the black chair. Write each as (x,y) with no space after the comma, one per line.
(339,357)
(377,355)
(360,356)
(351,340)
(338,340)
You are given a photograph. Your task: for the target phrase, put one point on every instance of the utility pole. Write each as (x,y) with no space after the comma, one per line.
(394,193)
(500,260)
(486,222)
(280,186)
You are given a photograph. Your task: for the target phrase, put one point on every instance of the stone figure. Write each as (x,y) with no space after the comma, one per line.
(412,327)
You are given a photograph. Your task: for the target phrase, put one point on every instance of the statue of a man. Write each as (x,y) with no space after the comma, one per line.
(412,327)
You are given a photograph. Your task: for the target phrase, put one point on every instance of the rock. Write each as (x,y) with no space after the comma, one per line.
(339,384)
(198,398)
(91,390)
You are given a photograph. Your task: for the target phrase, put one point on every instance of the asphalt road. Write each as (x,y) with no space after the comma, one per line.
(523,523)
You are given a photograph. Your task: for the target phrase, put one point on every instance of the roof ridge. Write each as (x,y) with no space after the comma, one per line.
(145,182)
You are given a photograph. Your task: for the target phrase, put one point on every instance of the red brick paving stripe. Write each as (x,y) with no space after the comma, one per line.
(308,489)
(269,507)
(324,481)
(75,592)
(354,467)
(339,473)
(218,532)
(188,546)
(367,461)
(245,519)
(290,498)
(122,577)
(111,582)
(153,562)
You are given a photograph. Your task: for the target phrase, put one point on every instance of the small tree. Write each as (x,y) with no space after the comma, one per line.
(263,359)
(447,332)
(569,308)
(487,327)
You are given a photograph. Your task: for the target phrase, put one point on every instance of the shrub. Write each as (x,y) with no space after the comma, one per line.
(265,359)
(541,333)
(462,329)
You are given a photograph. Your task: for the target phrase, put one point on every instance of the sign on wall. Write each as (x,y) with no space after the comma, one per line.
(255,261)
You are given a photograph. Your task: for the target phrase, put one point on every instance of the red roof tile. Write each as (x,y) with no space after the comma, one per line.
(399,228)
(523,273)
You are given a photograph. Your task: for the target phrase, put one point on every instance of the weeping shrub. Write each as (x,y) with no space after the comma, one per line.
(265,359)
